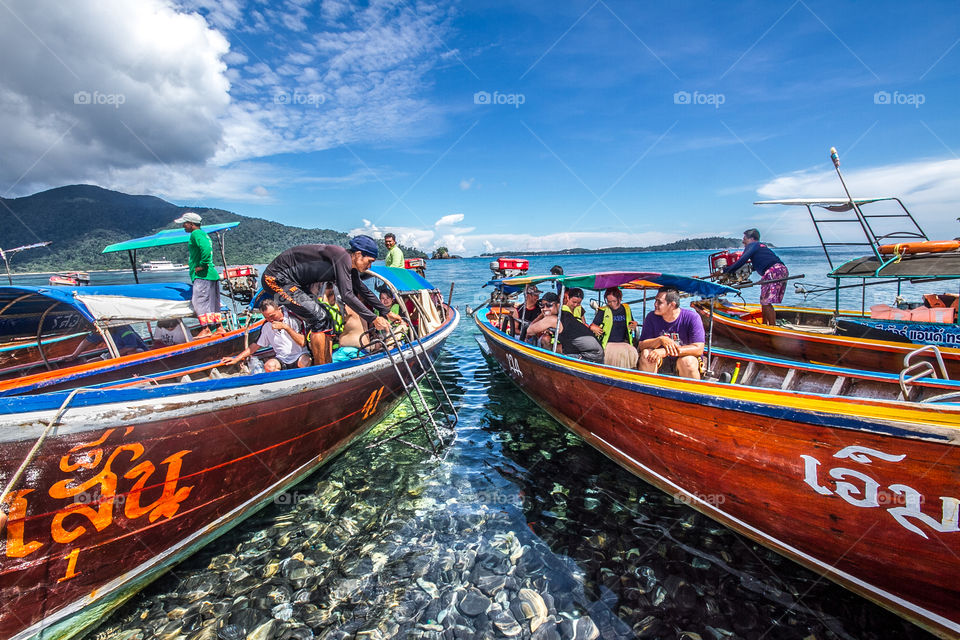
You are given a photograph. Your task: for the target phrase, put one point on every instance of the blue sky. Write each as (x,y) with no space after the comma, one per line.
(490,125)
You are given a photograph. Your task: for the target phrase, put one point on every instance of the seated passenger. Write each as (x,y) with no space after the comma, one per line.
(168,333)
(124,337)
(573,302)
(671,340)
(282,333)
(613,325)
(575,338)
(530,310)
(350,328)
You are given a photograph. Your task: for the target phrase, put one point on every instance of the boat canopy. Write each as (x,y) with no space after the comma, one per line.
(164,238)
(404,280)
(833,204)
(934,266)
(23,308)
(627,280)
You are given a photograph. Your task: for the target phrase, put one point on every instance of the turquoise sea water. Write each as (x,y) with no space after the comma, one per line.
(388,542)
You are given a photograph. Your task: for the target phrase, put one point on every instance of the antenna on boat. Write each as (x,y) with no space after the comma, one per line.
(836,165)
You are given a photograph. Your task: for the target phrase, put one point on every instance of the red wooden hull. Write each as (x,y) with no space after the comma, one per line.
(127,488)
(816,479)
(856,353)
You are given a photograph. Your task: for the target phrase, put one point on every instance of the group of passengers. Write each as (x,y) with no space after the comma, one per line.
(671,340)
(316,308)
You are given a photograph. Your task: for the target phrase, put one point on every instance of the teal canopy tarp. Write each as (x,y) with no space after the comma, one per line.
(165,237)
(405,280)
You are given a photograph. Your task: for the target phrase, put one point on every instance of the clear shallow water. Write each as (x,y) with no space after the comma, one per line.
(387,542)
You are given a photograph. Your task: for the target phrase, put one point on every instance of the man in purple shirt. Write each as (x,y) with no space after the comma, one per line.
(671,340)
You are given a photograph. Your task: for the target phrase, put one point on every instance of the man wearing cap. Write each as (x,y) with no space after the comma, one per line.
(576,339)
(292,273)
(203,276)
(530,310)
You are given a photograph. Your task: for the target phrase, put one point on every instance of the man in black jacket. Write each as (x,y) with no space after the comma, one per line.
(292,273)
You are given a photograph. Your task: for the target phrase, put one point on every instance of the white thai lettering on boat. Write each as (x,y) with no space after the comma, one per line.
(862,490)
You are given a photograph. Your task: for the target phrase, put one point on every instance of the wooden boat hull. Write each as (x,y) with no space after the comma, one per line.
(841,487)
(846,351)
(135,364)
(136,479)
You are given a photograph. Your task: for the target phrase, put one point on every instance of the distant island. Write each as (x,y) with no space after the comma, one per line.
(80,220)
(689,244)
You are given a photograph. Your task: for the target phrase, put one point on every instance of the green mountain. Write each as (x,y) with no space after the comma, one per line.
(80,220)
(689,244)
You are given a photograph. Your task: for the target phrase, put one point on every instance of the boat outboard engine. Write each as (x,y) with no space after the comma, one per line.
(502,303)
(723,259)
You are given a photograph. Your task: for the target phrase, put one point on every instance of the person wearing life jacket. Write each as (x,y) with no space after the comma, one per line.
(770,267)
(613,325)
(573,302)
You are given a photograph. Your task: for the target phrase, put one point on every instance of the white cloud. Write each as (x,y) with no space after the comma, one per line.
(466,184)
(930,189)
(465,241)
(449,220)
(108,84)
(191,108)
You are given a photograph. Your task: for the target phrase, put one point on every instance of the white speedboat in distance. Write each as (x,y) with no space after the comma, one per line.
(163,265)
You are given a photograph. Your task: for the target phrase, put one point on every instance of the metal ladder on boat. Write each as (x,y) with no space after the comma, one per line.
(913,371)
(437,420)
(871,240)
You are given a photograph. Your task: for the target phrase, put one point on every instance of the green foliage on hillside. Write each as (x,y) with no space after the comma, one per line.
(689,244)
(81,220)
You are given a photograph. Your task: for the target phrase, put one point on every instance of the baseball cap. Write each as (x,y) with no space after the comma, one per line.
(550,296)
(365,245)
(531,288)
(189,216)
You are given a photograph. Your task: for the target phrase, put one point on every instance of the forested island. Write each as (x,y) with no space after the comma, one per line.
(80,220)
(688,244)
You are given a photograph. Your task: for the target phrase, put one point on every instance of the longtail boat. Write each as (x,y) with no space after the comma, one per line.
(108,487)
(842,471)
(44,326)
(898,252)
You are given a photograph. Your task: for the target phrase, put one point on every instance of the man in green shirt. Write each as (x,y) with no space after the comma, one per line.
(203,276)
(394,254)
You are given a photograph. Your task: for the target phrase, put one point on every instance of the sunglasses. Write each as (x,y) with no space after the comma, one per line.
(544,305)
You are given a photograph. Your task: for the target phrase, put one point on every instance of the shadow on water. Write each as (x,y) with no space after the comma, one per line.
(520,531)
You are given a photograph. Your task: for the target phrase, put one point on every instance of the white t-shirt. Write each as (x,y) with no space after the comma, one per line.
(169,337)
(286,350)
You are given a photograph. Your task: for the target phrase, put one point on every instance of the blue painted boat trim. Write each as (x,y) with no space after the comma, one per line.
(720,402)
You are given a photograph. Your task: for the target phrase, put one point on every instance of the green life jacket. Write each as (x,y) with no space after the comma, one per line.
(608,324)
(577,313)
(338,319)
(395,308)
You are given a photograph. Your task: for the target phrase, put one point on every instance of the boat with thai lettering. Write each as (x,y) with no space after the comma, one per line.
(845,472)
(107,487)
(59,338)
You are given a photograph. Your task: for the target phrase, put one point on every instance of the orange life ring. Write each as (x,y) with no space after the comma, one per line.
(930,246)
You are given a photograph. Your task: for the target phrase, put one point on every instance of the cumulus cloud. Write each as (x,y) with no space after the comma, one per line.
(464,240)
(109,84)
(449,220)
(104,91)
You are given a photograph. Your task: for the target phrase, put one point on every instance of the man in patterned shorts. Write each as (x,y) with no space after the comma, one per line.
(770,267)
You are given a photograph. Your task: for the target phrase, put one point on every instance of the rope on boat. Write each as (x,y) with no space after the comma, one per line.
(33,453)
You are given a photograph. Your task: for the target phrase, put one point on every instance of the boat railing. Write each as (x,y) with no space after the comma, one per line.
(913,371)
